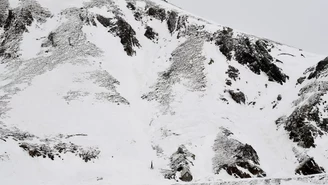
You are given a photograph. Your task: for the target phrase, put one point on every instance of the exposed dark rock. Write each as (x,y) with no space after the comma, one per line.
(137,16)
(321,67)
(180,161)
(37,151)
(279,98)
(16,23)
(257,58)
(130,6)
(50,41)
(182,22)
(127,35)
(300,80)
(106,22)
(225,42)
(44,150)
(172,21)
(211,62)
(122,29)
(228,82)
(247,152)
(150,33)
(233,73)
(237,159)
(301,131)
(157,13)
(238,97)
(234,171)
(309,167)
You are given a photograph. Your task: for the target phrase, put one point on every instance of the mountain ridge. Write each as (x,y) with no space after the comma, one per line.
(138,86)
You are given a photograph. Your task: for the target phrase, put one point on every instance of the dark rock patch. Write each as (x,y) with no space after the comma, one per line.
(130,6)
(225,42)
(257,58)
(309,167)
(321,67)
(211,62)
(247,152)
(127,35)
(44,150)
(106,22)
(254,54)
(237,159)
(180,162)
(150,33)
(279,98)
(157,13)
(228,82)
(233,73)
(172,21)
(300,130)
(238,97)
(300,80)
(137,16)
(119,27)
(15,22)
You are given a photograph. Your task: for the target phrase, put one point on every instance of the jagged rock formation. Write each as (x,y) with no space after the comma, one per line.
(15,22)
(238,97)
(50,147)
(180,163)
(237,159)
(320,70)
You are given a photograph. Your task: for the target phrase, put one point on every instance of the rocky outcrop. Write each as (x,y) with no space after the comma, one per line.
(237,96)
(309,167)
(237,159)
(321,67)
(151,34)
(224,40)
(119,27)
(51,148)
(128,36)
(233,73)
(15,22)
(180,162)
(307,121)
(253,54)
(172,21)
(257,58)
(157,13)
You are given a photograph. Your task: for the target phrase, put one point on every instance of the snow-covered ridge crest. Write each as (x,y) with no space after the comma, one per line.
(141,92)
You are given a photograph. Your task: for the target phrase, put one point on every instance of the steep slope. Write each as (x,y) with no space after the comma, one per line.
(141,92)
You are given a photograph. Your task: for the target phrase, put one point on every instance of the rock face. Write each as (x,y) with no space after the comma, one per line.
(307,121)
(238,97)
(309,167)
(119,27)
(180,163)
(237,159)
(151,34)
(55,148)
(320,69)
(15,22)
(255,55)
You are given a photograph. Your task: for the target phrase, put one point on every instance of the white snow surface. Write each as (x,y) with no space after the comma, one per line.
(41,103)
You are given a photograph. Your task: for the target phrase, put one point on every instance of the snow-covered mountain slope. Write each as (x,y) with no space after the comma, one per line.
(142,92)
